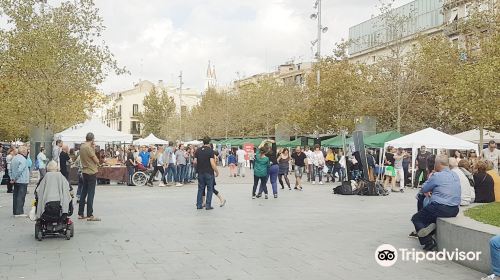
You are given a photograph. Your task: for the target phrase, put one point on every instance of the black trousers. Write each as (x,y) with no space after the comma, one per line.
(417,176)
(10,186)
(162,171)
(88,193)
(429,215)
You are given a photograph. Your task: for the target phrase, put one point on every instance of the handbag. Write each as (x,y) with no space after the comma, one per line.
(325,169)
(32,214)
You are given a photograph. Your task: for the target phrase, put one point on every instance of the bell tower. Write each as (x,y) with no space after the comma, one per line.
(211,77)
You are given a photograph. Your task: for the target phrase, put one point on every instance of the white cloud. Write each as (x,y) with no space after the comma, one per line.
(156,39)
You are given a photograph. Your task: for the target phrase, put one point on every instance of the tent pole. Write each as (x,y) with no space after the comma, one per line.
(413,159)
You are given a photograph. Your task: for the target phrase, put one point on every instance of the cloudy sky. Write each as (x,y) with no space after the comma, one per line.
(156,39)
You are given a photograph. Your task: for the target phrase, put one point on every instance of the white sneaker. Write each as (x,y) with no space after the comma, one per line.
(21,216)
(314,182)
(321,182)
(491,277)
(178,185)
(161,185)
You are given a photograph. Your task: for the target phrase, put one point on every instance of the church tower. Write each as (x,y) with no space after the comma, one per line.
(211,78)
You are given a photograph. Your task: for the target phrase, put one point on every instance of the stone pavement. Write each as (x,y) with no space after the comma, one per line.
(157,233)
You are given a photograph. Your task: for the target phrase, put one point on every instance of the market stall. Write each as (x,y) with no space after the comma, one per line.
(431,139)
(474,136)
(103,134)
(116,173)
(150,140)
(336,142)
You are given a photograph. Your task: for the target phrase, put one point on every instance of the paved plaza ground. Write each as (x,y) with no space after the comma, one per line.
(157,233)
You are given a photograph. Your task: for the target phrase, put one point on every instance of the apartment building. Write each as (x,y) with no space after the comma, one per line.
(122,111)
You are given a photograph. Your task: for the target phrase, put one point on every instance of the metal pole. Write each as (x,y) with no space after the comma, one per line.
(318,53)
(180,106)
(319,30)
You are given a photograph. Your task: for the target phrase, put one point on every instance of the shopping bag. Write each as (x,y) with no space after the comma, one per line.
(32,214)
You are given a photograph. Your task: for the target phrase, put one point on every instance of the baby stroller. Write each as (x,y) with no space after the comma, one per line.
(53,222)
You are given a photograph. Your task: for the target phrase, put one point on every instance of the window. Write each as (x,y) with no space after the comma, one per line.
(135,110)
(119,111)
(120,126)
(298,80)
(135,127)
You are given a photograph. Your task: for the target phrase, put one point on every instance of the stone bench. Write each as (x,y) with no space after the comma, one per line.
(466,234)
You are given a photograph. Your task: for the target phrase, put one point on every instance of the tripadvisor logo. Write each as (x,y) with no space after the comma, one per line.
(387,255)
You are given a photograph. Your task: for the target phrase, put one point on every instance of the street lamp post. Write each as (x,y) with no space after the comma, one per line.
(317,42)
(180,106)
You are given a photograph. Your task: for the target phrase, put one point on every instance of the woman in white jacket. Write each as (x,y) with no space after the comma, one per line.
(319,162)
(467,191)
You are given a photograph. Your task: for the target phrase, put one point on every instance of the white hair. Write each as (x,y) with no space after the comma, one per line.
(442,160)
(52,166)
(453,162)
(22,149)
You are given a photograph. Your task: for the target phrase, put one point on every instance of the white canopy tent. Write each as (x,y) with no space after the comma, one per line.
(150,140)
(193,142)
(432,139)
(103,134)
(474,135)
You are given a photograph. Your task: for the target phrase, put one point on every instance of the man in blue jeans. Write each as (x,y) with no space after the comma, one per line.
(443,188)
(180,160)
(495,258)
(205,163)
(169,156)
(89,163)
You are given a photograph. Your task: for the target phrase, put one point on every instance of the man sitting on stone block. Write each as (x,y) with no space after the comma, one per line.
(443,188)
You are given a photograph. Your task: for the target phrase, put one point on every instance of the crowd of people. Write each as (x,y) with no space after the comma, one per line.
(453,182)
(446,182)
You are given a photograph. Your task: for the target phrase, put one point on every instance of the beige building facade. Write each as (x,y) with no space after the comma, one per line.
(123,109)
(289,73)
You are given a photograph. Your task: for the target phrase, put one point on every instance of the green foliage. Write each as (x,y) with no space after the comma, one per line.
(158,107)
(464,79)
(51,60)
(340,97)
(254,109)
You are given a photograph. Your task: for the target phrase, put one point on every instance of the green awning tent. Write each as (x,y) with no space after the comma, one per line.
(294,143)
(378,140)
(234,142)
(217,142)
(335,142)
(255,141)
